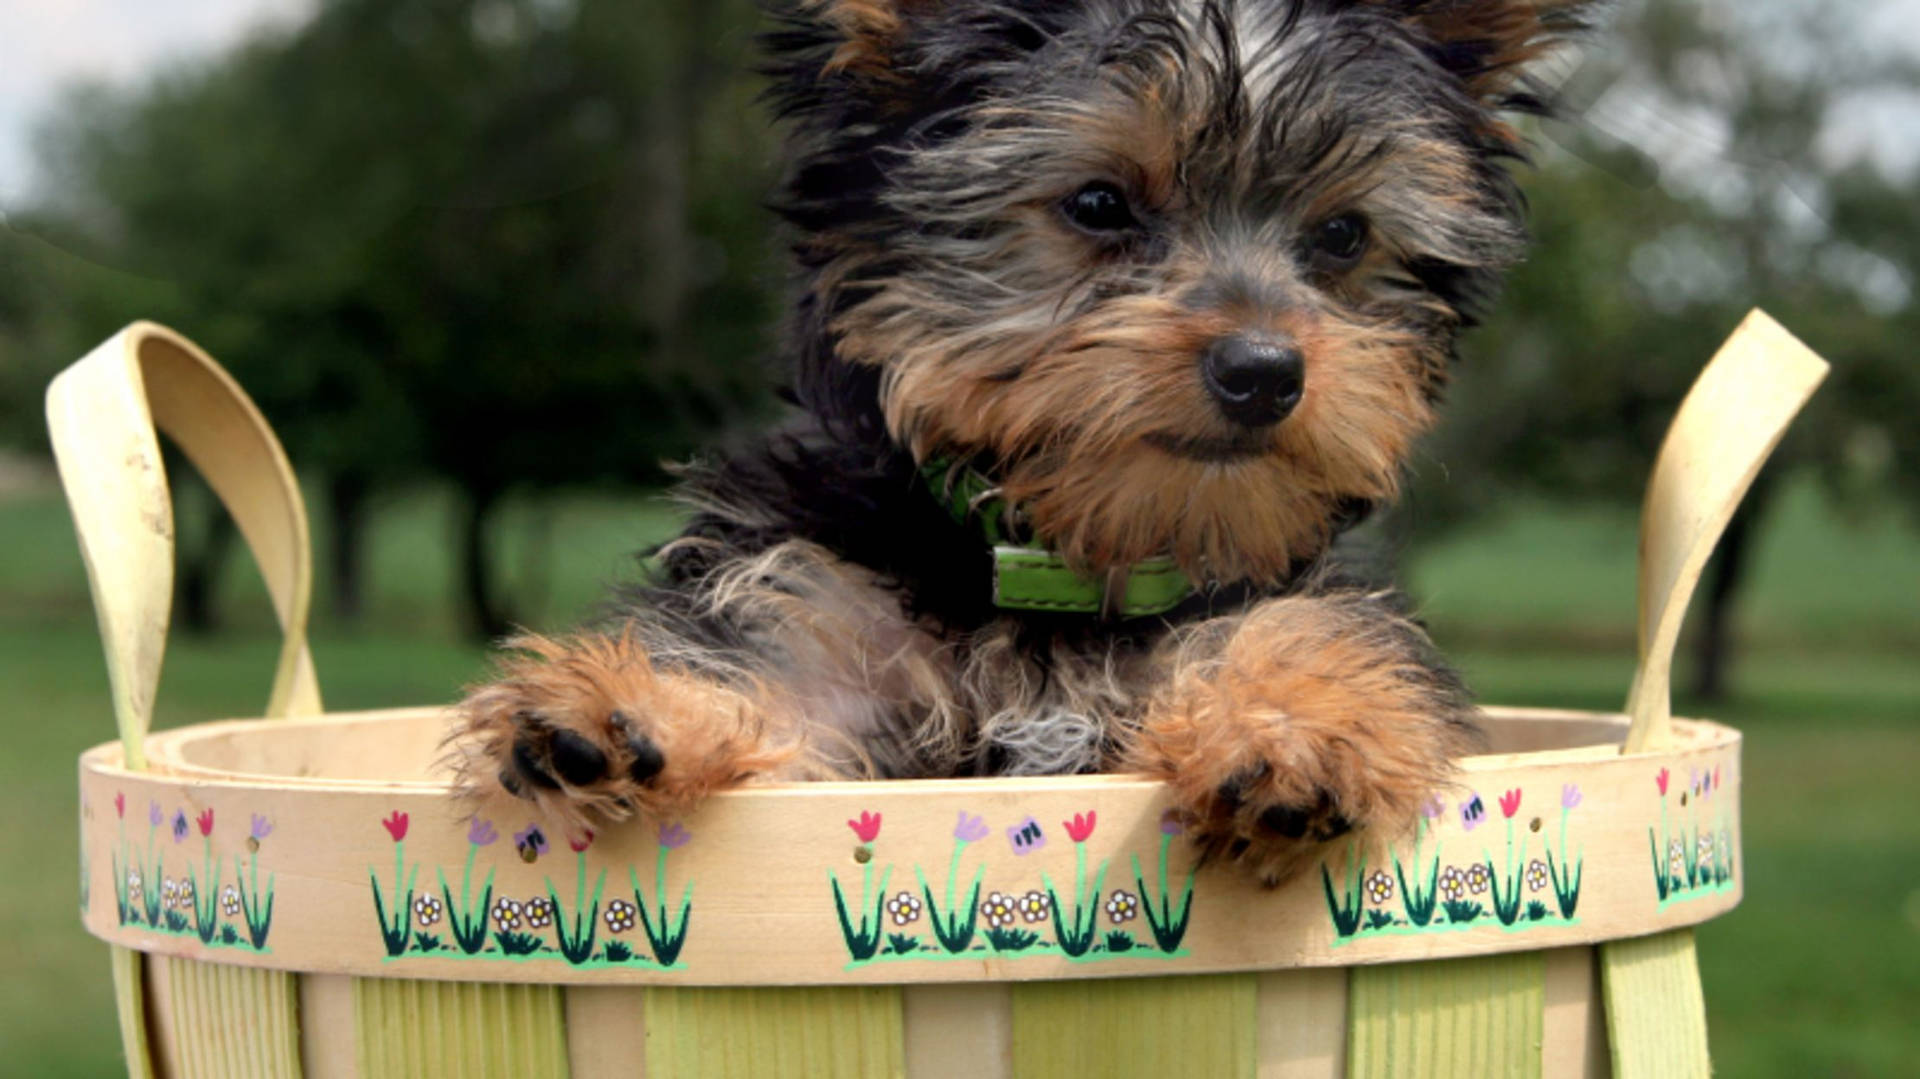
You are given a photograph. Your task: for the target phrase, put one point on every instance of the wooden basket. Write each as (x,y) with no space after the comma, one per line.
(300,895)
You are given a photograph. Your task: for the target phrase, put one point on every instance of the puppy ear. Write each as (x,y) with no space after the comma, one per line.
(1492,44)
(867,34)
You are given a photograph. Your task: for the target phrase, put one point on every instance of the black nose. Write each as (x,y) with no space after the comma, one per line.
(1256,381)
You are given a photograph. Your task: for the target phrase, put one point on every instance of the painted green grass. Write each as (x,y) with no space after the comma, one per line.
(1817,973)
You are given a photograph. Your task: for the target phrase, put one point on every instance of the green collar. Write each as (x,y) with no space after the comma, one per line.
(1032,578)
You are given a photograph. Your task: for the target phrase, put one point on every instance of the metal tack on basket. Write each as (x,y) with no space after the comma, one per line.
(299,894)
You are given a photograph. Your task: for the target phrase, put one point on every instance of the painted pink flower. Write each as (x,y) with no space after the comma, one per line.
(1080,827)
(1510,803)
(970,829)
(1716,777)
(674,836)
(867,827)
(1661,782)
(120,805)
(205,821)
(582,843)
(396,825)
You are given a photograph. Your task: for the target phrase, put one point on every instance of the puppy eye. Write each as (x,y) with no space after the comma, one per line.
(1340,241)
(1100,207)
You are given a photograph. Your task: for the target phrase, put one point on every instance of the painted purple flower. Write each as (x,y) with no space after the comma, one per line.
(1472,812)
(1170,823)
(1433,808)
(674,836)
(153,814)
(1569,796)
(259,827)
(179,825)
(1026,837)
(531,843)
(480,833)
(970,829)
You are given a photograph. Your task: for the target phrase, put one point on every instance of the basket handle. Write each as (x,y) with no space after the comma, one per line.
(1727,427)
(102,414)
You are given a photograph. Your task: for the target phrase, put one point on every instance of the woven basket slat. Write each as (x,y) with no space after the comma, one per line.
(1574,1027)
(418,1030)
(226,1021)
(1656,1015)
(1452,1018)
(959,1031)
(788,1033)
(1136,1026)
(606,1032)
(1302,1016)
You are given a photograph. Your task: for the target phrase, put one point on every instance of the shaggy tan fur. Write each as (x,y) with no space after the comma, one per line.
(1309,715)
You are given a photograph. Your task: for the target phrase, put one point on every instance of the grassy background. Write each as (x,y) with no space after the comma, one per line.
(1818,973)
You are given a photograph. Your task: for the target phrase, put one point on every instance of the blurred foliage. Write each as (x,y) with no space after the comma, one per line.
(519,243)
(501,243)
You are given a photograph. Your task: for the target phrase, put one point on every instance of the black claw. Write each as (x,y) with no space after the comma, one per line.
(1233,793)
(526,760)
(510,782)
(1333,828)
(577,760)
(1286,821)
(647,758)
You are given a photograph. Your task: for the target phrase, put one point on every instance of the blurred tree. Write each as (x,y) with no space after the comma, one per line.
(1645,261)
(504,242)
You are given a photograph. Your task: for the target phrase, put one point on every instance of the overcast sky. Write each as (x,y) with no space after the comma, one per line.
(47,44)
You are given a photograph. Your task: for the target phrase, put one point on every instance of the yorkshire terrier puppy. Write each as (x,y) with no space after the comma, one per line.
(1112,315)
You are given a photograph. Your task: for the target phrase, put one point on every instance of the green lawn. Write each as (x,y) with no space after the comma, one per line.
(1817,974)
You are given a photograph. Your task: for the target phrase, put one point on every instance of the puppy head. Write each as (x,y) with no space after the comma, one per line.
(1184,274)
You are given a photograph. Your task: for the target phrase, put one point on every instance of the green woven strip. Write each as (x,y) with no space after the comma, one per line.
(1136,1026)
(230,1021)
(131,1002)
(1032,579)
(1464,1018)
(1656,1016)
(425,1030)
(774,1033)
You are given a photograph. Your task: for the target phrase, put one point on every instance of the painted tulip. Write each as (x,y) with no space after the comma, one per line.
(867,827)
(970,829)
(1510,803)
(205,821)
(1170,823)
(1569,796)
(674,836)
(396,825)
(153,814)
(1080,827)
(120,805)
(480,833)
(582,843)
(1661,782)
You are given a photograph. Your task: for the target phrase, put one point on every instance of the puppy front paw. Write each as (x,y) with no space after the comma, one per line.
(590,727)
(1313,719)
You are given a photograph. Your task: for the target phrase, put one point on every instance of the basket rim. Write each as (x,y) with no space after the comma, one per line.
(167,750)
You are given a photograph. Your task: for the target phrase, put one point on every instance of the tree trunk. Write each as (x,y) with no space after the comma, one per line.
(486,616)
(347,516)
(1713,644)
